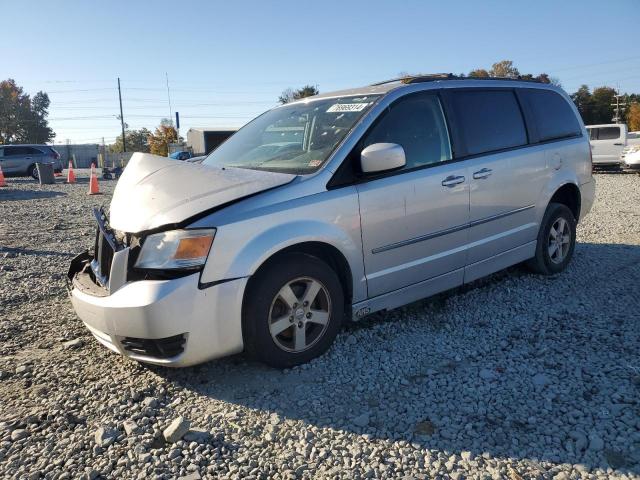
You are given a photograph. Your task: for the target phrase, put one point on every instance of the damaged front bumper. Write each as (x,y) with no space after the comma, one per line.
(168,322)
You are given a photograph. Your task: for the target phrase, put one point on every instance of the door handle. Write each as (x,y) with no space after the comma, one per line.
(484,173)
(618,144)
(27,158)
(452,180)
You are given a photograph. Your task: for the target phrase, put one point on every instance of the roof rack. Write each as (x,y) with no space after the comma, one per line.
(433,77)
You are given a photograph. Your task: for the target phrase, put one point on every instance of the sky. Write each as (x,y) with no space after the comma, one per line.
(228,61)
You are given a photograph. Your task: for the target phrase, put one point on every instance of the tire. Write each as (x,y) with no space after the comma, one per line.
(33,171)
(274,327)
(552,257)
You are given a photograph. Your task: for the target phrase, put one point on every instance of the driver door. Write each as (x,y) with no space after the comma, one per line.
(414,221)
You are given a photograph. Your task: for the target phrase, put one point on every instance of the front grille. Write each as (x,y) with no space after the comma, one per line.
(158,348)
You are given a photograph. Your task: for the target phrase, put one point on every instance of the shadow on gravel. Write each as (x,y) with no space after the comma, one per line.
(16,195)
(557,381)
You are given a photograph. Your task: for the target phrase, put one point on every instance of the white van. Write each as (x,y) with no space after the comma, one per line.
(607,143)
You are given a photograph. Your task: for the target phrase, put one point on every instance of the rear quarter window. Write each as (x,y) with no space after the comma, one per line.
(15,151)
(488,120)
(552,114)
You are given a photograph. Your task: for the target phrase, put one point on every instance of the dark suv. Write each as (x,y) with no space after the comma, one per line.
(20,160)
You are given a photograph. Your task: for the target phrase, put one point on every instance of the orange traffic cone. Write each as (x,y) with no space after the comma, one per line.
(2,182)
(71,176)
(93,181)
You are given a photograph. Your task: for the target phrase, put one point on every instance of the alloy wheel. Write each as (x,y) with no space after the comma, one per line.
(299,314)
(559,240)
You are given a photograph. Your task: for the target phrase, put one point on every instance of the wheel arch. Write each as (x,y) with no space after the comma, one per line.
(323,251)
(568,194)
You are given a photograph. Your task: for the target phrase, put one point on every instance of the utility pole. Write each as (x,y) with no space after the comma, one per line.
(124,139)
(619,108)
(169,97)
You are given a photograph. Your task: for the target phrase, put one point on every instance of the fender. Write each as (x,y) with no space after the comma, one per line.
(240,247)
(558,180)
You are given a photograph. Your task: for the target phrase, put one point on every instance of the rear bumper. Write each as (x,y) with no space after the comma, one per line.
(165,322)
(587,196)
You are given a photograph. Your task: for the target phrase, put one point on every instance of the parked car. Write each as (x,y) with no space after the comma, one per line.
(608,143)
(631,157)
(199,159)
(20,160)
(183,155)
(395,192)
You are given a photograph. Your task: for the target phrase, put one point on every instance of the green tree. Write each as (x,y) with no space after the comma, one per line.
(584,103)
(479,73)
(22,119)
(289,95)
(506,69)
(164,135)
(137,141)
(38,130)
(602,108)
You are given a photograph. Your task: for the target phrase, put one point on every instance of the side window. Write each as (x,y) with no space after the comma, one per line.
(609,133)
(552,114)
(1,152)
(488,120)
(417,124)
(32,151)
(14,151)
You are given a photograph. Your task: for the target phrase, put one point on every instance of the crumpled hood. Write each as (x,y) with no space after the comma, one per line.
(154,191)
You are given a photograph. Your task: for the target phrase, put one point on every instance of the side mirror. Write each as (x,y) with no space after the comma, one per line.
(382,157)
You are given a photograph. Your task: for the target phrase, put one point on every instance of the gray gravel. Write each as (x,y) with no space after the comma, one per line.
(515,376)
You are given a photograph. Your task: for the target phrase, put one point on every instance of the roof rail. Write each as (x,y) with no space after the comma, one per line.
(433,77)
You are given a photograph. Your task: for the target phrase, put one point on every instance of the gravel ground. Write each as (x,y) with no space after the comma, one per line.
(516,376)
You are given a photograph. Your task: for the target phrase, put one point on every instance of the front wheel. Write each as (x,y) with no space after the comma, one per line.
(292,310)
(33,171)
(556,241)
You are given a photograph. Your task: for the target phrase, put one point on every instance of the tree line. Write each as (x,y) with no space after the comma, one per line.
(143,140)
(23,119)
(595,107)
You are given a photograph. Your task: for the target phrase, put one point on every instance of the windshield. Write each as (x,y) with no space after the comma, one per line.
(296,138)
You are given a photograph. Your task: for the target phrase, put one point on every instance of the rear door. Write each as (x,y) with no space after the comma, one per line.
(13,159)
(607,143)
(505,175)
(414,220)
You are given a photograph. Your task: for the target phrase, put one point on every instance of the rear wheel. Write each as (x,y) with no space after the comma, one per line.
(33,171)
(292,311)
(556,240)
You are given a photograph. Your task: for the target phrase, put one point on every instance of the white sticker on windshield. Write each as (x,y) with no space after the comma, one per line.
(347,107)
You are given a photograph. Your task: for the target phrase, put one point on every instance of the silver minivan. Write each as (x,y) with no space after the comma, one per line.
(331,208)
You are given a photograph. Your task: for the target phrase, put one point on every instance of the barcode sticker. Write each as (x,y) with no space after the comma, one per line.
(346,107)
